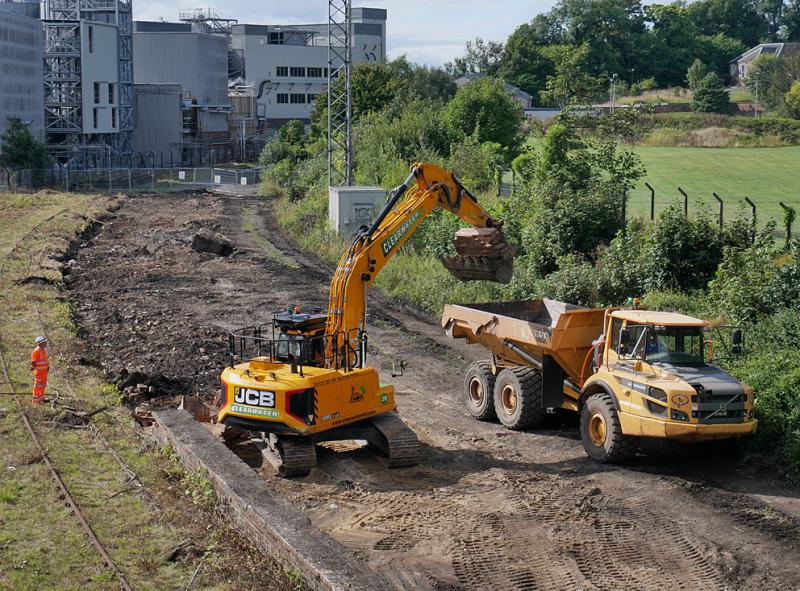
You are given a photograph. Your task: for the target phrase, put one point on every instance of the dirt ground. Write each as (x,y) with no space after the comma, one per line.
(487,508)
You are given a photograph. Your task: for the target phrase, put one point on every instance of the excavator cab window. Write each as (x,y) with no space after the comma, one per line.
(300,348)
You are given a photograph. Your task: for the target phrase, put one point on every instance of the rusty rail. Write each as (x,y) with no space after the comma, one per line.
(124,585)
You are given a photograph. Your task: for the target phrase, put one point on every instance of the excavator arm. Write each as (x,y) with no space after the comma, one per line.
(482,256)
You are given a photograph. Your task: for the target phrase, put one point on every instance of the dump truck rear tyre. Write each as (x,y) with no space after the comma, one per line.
(518,398)
(601,431)
(479,391)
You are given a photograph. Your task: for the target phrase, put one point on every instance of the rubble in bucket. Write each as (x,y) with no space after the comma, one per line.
(483,255)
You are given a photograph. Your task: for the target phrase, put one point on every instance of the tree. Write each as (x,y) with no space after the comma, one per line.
(373,88)
(791,21)
(671,44)
(485,106)
(696,72)
(792,99)
(718,50)
(480,57)
(772,13)
(421,82)
(525,62)
(20,149)
(570,82)
(710,95)
(614,31)
(774,77)
(738,19)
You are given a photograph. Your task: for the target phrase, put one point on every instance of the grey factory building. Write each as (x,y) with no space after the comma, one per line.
(21,86)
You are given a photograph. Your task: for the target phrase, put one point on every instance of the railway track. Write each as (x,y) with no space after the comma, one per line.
(76,510)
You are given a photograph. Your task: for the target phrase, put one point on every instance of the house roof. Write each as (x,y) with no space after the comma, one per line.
(462,81)
(776,49)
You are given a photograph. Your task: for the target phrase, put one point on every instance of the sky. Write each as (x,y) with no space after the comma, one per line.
(429,32)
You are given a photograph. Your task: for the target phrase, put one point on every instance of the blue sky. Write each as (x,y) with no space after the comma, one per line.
(428,31)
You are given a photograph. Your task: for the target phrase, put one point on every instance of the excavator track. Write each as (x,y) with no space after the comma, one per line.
(292,456)
(399,445)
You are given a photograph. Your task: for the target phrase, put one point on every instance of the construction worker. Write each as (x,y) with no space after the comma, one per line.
(39,366)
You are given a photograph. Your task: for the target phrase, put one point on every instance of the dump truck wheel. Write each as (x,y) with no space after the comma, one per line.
(601,431)
(518,398)
(479,391)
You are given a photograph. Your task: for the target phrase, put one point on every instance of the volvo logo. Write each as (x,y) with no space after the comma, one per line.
(680,400)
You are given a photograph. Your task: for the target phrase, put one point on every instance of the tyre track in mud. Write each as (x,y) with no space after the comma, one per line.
(487,508)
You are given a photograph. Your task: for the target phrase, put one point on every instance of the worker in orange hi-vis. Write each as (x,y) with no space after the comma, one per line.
(39,366)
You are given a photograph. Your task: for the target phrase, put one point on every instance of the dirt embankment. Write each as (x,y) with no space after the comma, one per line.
(487,508)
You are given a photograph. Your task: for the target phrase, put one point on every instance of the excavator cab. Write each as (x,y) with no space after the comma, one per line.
(300,338)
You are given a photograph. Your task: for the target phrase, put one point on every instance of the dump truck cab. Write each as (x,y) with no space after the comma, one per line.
(653,366)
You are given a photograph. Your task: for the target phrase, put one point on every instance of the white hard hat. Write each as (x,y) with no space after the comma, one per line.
(40,340)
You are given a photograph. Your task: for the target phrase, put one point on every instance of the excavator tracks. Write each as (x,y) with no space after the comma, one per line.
(292,456)
(399,445)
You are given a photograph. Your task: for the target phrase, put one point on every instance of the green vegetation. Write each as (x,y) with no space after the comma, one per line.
(710,95)
(19,149)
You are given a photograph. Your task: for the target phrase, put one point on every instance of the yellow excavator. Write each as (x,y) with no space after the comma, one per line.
(304,378)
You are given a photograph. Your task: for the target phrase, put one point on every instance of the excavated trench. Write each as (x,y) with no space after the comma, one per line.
(487,508)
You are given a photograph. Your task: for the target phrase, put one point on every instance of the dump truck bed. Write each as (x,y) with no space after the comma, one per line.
(539,328)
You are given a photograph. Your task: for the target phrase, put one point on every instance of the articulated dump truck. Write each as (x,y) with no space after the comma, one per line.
(629,373)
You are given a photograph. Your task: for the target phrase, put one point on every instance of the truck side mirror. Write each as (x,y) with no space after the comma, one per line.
(737,338)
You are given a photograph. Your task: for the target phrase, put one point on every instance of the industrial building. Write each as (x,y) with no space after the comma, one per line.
(287,65)
(158,134)
(198,62)
(21,86)
(88,82)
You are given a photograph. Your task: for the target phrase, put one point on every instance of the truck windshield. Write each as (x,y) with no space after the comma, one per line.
(676,345)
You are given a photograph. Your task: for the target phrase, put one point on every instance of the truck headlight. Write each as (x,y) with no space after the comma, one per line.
(679,415)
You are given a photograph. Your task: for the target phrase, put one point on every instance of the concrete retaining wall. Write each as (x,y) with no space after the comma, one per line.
(269,521)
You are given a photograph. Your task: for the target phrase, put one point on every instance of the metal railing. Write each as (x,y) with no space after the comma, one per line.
(128,180)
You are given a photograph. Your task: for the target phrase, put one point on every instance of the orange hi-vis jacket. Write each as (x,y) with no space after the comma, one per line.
(40,368)
(41,365)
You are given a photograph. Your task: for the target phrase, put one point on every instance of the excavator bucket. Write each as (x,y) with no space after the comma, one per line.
(483,255)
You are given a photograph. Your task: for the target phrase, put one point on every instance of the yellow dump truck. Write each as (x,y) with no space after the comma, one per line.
(629,373)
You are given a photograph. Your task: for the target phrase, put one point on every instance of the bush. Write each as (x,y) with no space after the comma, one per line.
(484,107)
(757,281)
(775,379)
(710,95)
(685,252)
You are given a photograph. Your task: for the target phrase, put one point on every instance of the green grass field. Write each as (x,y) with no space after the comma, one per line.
(766,175)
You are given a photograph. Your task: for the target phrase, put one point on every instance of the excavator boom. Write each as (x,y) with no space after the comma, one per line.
(482,251)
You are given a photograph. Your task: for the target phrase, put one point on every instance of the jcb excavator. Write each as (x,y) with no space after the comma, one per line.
(308,380)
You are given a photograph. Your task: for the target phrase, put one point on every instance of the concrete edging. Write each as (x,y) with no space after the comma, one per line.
(269,521)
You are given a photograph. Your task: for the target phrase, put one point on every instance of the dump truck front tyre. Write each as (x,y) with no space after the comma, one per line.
(518,398)
(601,431)
(479,391)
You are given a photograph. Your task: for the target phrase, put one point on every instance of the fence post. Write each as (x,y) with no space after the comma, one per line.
(652,201)
(66,180)
(721,205)
(109,181)
(152,179)
(788,219)
(685,202)
(130,186)
(755,223)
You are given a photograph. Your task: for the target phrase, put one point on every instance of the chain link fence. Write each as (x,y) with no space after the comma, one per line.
(129,180)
